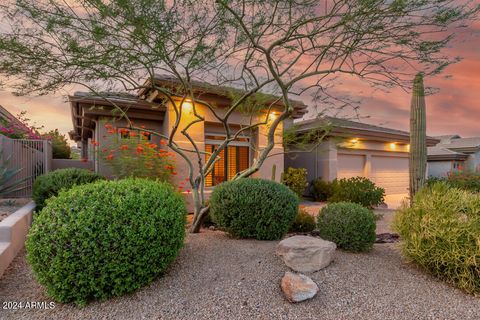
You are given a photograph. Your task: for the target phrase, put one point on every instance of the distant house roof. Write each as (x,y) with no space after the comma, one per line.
(344,127)
(454,147)
(439,153)
(7,116)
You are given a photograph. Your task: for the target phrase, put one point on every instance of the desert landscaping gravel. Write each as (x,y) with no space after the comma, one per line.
(216,277)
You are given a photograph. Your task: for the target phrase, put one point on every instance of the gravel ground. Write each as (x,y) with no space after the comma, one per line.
(216,277)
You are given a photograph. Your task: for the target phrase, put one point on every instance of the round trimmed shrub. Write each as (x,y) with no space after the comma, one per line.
(441,233)
(304,222)
(350,225)
(320,189)
(106,239)
(254,208)
(49,184)
(357,190)
(295,179)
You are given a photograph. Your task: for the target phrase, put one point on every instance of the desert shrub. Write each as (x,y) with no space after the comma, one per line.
(350,225)
(357,190)
(295,179)
(433,180)
(105,239)
(320,189)
(304,222)
(466,180)
(132,153)
(49,184)
(441,233)
(254,208)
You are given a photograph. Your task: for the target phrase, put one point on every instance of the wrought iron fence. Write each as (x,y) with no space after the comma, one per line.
(29,158)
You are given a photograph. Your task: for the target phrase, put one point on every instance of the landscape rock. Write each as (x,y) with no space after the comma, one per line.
(298,287)
(306,254)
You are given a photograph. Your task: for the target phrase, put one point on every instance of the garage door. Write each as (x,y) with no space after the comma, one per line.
(390,173)
(350,165)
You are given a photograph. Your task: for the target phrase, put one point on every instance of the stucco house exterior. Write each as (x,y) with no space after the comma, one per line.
(150,110)
(452,154)
(355,149)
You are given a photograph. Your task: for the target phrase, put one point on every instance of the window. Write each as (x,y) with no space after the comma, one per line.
(127,134)
(233,159)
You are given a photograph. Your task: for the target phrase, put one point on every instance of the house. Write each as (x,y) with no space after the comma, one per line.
(453,154)
(353,149)
(150,109)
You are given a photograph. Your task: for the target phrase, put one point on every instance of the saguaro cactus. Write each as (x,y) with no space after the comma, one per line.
(418,137)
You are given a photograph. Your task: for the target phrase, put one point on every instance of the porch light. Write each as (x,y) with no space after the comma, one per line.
(272,116)
(187,106)
(393,145)
(354,141)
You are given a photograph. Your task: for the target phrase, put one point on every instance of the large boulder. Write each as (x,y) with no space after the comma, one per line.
(298,287)
(306,254)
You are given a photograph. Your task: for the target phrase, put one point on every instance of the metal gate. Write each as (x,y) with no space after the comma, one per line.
(30,158)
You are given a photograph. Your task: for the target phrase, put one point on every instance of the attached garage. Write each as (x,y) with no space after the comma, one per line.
(390,173)
(386,169)
(350,165)
(357,149)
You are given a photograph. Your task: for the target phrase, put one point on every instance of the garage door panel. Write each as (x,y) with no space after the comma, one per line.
(390,173)
(350,165)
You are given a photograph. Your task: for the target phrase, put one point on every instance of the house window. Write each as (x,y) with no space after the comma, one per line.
(127,134)
(233,159)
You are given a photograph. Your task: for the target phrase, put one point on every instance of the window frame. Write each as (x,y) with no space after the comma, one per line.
(215,143)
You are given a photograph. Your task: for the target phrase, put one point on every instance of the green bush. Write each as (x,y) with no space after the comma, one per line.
(254,208)
(295,179)
(48,185)
(320,189)
(304,222)
(441,233)
(350,225)
(357,190)
(105,239)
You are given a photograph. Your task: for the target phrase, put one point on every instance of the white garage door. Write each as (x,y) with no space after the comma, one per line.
(390,173)
(350,165)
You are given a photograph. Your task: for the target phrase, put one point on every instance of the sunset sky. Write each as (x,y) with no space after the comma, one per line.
(455,109)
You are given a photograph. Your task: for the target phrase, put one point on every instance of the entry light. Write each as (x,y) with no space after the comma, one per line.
(393,145)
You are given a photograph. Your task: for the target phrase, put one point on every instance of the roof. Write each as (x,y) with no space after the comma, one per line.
(84,111)
(440,153)
(345,127)
(222,91)
(6,115)
(462,143)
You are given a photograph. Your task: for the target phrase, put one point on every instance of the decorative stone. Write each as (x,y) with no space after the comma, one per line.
(306,254)
(298,287)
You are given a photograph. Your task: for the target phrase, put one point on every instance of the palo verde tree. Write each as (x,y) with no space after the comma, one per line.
(284,48)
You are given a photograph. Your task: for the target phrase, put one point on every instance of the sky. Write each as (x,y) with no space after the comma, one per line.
(454,109)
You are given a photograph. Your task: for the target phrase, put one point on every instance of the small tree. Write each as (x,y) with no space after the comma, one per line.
(281,47)
(60,147)
(418,137)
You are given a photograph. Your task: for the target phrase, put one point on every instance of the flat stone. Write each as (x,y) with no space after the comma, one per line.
(298,287)
(306,254)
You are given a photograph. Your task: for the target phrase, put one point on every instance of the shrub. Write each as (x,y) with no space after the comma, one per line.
(441,233)
(320,189)
(304,222)
(350,225)
(295,179)
(130,153)
(49,184)
(253,208)
(357,190)
(466,180)
(105,239)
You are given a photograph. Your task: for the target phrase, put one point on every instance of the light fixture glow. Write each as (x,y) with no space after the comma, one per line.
(393,145)
(187,106)
(354,141)
(272,116)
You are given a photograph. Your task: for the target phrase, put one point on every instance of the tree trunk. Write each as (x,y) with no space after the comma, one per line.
(199,211)
(418,137)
